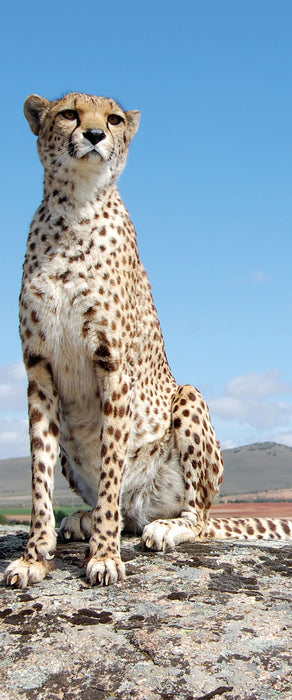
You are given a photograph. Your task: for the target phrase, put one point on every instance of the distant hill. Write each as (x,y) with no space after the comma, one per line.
(263,466)
(15,480)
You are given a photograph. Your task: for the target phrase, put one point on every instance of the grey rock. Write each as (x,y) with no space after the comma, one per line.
(205,621)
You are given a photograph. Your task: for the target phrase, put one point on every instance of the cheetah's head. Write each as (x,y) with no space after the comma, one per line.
(82,132)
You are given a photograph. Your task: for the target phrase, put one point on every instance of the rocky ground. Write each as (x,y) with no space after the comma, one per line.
(206,621)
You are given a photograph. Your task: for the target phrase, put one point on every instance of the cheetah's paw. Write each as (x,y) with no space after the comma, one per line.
(21,573)
(166,534)
(103,572)
(159,535)
(76,527)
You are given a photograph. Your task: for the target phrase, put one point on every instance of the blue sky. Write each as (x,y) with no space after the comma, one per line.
(208,186)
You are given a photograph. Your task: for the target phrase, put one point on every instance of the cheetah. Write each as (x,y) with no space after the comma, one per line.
(139,449)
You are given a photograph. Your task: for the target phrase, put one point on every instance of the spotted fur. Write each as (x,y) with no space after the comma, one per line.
(138,448)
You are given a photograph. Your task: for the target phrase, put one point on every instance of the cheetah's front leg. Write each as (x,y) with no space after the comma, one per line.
(44,437)
(105,565)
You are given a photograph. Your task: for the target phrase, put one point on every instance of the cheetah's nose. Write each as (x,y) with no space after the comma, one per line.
(94,135)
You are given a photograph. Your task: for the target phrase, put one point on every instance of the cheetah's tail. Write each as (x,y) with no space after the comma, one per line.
(249,528)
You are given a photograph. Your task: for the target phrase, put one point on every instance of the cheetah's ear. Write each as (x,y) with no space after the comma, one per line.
(34,108)
(133,121)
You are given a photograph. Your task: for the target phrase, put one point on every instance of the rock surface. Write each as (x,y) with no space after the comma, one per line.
(208,620)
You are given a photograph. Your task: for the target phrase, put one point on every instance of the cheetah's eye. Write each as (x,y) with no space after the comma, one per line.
(70,114)
(114,119)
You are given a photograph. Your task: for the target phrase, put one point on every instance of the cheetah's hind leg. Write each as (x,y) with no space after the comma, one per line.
(202,467)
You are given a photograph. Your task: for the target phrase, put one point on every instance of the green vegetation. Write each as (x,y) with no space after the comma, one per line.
(15,511)
(60,513)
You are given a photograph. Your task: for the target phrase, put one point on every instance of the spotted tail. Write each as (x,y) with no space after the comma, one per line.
(249,528)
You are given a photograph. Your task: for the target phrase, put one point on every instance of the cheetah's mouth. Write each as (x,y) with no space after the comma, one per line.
(83,152)
(91,154)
